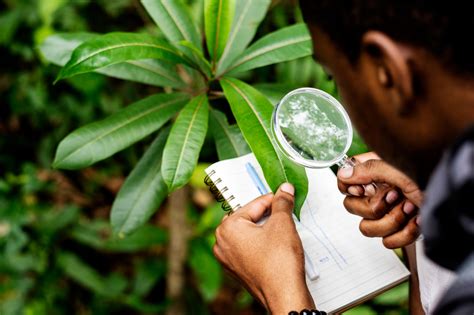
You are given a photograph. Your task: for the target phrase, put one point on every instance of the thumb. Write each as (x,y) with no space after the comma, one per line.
(284,199)
(256,209)
(377,171)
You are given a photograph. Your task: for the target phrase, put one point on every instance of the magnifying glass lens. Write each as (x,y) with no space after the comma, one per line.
(312,128)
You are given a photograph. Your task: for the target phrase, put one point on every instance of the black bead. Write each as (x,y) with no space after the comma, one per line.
(305,312)
(293,313)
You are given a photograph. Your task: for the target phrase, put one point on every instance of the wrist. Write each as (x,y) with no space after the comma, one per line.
(289,297)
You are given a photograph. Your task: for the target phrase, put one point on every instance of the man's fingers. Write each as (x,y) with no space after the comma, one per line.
(284,199)
(408,235)
(376,171)
(255,209)
(392,222)
(361,158)
(374,207)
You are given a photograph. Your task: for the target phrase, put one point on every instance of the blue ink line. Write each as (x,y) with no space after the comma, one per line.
(327,249)
(256,179)
(327,238)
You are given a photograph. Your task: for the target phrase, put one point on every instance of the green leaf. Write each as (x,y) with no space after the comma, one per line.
(182,148)
(101,139)
(253,113)
(142,192)
(288,43)
(206,269)
(174,20)
(248,15)
(82,273)
(229,140)
(147,273)
(196,57)
(98,235)
(58,49)
(113,48)
(274,91)
(218,15)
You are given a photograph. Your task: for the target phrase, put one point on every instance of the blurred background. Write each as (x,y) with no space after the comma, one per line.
(57,254)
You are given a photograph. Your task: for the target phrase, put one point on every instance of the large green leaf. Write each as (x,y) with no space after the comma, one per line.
(84,274)
(58,49)
(248,15)
(113,48)
(196,57)
(207,270)
(184,143)
(101,139)
(174,20)
(217,21)
(143,191)
(229,140)
(253,113)
(98,235)
(288,43)
(274,91)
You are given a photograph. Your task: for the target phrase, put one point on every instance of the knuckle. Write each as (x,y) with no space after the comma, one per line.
(411,232)
(364,229)
(285,200)
(389,243)
(371,165)
(396,218)
(347,205)
(378,210)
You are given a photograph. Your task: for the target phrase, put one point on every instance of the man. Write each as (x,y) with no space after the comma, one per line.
(405,70)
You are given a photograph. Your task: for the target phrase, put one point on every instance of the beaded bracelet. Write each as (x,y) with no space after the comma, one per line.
(307,312)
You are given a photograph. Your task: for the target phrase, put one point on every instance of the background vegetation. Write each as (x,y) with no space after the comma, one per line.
(58,254)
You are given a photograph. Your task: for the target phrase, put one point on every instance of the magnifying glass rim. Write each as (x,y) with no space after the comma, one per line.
(289,150)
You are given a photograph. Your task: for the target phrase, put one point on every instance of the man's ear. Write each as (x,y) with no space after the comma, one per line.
(389,61)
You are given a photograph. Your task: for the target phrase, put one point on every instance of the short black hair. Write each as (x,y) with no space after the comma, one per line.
(444,28)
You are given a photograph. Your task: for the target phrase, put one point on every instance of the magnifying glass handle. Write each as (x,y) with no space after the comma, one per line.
(346,162)
(351,162)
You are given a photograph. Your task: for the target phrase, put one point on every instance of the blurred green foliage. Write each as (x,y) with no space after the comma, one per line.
(57,251)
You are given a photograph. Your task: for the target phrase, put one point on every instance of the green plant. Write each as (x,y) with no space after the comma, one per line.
(191,77)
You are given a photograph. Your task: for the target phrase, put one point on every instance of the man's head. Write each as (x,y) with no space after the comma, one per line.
(404,69)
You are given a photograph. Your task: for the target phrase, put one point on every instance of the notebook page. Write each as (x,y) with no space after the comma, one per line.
(350,265)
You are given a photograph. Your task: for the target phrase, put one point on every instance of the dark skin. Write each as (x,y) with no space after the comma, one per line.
(409,107)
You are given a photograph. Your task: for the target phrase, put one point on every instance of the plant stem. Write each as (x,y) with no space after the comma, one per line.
(177,250)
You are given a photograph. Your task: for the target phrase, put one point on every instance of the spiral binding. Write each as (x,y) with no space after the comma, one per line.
(218,194)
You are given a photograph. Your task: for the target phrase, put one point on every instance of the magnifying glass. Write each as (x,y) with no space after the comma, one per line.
(313,129)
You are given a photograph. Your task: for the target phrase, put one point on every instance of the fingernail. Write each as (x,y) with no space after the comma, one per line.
(391,196)
(288,188)
(408,207)
(369,190)
(346,172)
(418,220)
(353,190)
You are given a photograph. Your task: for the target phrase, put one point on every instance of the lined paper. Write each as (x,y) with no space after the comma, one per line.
(351,266)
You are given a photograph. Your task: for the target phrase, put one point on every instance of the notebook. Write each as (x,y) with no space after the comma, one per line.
(347,268)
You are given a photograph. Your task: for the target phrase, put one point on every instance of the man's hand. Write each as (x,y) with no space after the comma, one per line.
(390,210)
(268,259)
